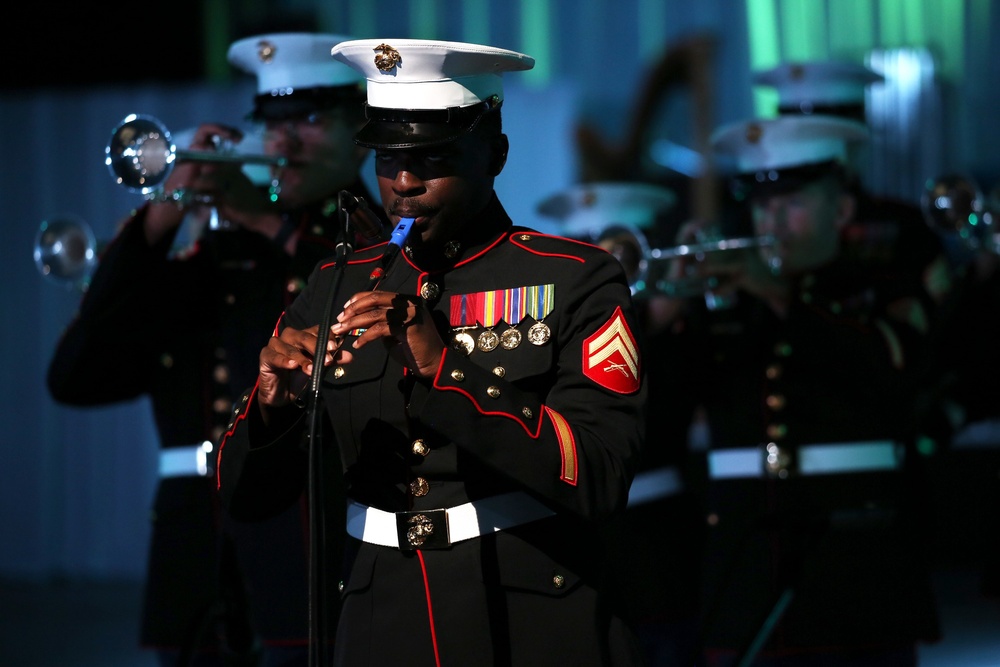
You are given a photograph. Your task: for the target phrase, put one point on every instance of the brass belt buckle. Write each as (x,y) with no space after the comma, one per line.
(422,529)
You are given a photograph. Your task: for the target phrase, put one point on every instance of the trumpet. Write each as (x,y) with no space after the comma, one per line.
(630,247)
(954,206)
(66,251)
(141,154)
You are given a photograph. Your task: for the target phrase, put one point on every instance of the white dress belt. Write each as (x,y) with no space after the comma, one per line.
(651,485)
(440,528)
(187,461)
(823,459)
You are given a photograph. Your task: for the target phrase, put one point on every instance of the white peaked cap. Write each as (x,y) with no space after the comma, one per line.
(284,62)
(587,209)
(787,141)
(818,83)
(427,74)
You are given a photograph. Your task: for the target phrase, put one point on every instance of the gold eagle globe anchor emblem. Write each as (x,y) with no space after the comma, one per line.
(386,57)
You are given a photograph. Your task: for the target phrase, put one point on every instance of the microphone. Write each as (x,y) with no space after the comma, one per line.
(396,241)
(365,221)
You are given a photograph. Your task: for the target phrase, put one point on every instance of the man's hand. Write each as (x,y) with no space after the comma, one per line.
(403,324)
(286,364)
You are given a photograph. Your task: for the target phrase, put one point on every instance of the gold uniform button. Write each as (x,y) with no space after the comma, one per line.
(494,392)
(499,371)
(419,487)
(457,375)
(451,249)
(527,413)
(777,431)
(773,372)
(420,448)
(524,237)
(558,581)
(430,291)
(776,402)
(339,372)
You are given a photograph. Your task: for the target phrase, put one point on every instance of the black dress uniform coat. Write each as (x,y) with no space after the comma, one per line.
(556,420)
(847,550)
(186,330)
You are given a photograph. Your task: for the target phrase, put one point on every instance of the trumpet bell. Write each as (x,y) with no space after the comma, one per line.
(954,205)
(630,248)
(141,153)
(65,251)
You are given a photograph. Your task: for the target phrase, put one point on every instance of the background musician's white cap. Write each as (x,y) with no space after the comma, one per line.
(587,209)
(295,73)
(425,92)
(832,88)
(785,152)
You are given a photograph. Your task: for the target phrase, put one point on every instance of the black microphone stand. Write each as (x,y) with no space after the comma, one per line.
(319,640)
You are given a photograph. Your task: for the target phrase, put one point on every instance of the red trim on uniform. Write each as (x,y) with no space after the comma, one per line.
(551,254)
(364,260)
(222,442)
(479,408)
(430,608)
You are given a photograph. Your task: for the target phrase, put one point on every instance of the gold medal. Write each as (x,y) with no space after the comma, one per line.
(488,341)
(539,333)
(510,338)
(463,342)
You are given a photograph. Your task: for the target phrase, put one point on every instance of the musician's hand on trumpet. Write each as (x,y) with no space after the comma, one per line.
(723,274)
(193,183)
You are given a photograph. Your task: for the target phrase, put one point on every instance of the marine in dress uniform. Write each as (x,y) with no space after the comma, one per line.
(476,488)
(813,548)
(197,318)
(887,230)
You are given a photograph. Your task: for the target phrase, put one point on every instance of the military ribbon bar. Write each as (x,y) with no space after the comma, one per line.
(510,305)
(540,300)
(464,308)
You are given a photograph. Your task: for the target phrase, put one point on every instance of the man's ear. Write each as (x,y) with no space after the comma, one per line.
(499,157)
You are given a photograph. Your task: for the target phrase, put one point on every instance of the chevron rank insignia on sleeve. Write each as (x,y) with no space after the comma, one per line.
(611,356)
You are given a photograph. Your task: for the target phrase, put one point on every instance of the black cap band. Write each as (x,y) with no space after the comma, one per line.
(778,181)
(852,111)
(289,103)
(416,128)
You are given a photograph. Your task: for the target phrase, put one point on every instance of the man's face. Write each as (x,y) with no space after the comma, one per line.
(805,224)
(322,156)
(441,187)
